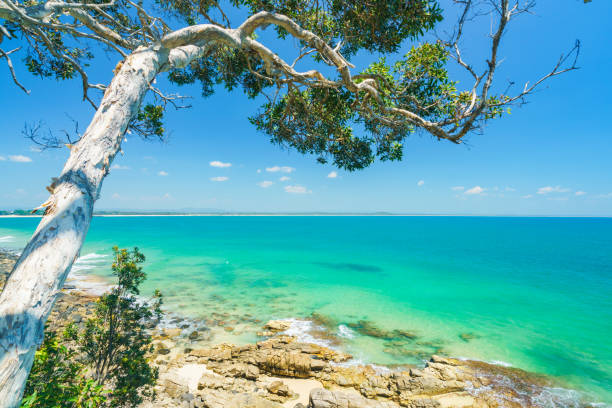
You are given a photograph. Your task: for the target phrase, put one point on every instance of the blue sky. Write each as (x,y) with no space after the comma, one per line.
(550,157)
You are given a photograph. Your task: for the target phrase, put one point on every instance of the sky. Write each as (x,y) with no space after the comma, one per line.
(552,156)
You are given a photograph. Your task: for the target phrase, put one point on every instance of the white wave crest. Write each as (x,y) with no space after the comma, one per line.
(91,258)
(7,238)
(501,363)
(83,280)
(553,397)
(345,331)
(301,330)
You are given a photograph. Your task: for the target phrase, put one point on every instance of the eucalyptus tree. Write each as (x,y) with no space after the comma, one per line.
(318,102)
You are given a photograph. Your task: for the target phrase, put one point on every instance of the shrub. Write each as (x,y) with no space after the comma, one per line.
(103,364)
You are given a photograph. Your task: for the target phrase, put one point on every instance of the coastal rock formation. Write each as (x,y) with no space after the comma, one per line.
(262,369)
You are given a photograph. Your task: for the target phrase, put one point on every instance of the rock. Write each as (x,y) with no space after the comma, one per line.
(276,326)
(468,336)
(194,335)
(174,388)
(187,397)
(238,370)
(278,388)
(228,399)
(405,334)
(171,333)
(290,364)
(251,401)
(200,352)
(367,328)
(208,381)
(322,398)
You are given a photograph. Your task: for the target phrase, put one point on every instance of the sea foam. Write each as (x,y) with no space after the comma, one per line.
(301,329)
(345,332)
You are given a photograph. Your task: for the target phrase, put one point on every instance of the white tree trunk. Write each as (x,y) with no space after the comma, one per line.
(40,272)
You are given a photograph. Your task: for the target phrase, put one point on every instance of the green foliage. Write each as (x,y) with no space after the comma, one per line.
(59,379)
(317,121)
(104,364)
(375,25)
(149,121)
(323,118)
(115,341)
(223,66)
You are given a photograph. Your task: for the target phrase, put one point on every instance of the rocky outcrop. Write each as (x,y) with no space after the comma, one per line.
(323,398)
(255,370)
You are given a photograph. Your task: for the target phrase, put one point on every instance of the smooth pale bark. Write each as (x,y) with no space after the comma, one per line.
(40,272)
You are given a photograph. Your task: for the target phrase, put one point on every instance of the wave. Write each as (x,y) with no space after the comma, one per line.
(93,257)
(301,329)
(88,262)
(345,331)
(7,238)
(82,279)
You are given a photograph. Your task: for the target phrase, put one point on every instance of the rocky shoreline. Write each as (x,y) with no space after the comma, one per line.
(281,371)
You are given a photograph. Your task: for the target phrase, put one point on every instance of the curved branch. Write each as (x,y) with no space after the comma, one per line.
(9,63)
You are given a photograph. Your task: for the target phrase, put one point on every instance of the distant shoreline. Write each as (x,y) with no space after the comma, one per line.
(319,215)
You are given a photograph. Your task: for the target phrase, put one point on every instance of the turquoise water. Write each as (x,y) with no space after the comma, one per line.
(535,293)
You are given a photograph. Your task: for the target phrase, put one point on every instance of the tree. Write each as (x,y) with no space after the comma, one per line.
(115,341)
(59,379)
(105,363)
(316,103)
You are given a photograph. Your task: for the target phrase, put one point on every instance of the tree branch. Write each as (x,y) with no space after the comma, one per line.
(9,63)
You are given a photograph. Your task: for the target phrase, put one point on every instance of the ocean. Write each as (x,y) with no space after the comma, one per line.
(533,293)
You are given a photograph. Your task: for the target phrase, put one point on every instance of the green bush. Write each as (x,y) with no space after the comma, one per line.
(103,364)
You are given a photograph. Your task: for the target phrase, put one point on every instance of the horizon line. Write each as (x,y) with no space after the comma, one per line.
(104,213)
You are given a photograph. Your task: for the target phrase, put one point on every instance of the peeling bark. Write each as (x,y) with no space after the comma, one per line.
(40,272)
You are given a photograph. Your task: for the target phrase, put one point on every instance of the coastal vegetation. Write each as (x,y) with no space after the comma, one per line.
(104,362)
(319,103)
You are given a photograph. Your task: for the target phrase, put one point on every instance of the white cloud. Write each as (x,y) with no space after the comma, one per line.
(20,159)
(332,174)
(258,170)
(35,149)
(297,190)
(510,189)
(220,164)
(475,190)
(580,193)
(265,184)
(220,178)
(115,196)
(527,196)
(282,169)
(119,167)
(2,158)
(285,178)
(608,195)
(458,188)
(162,173)
(166,196)
(551,189)
(420,183)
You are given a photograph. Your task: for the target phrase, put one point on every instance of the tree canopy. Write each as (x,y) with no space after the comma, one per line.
(315,104)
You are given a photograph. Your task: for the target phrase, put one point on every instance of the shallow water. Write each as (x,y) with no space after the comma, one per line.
(535,293)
